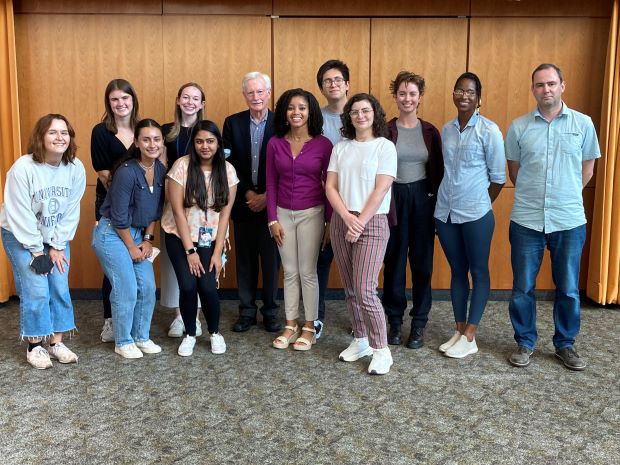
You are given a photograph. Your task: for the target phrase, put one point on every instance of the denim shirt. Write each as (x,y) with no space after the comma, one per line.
(472,159)
(548,192)
(129,201)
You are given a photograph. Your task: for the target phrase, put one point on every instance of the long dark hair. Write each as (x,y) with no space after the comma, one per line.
(379,124)
(196,193)
(315,117)
(133,152)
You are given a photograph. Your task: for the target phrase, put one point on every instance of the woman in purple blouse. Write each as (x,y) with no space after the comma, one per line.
(297,210)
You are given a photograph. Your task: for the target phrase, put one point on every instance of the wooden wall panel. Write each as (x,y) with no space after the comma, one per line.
(534,8)
(147,7)
(504,52)
(219,52)
(215,7)
(295,63)
(434,48)
(371,8)
(70,76)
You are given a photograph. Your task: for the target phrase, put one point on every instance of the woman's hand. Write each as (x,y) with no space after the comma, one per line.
(195,265)
(147,249)
(326,237)
(216,264)
(351,236)
(353,223)
(58,258)
(136,253)
(277,232)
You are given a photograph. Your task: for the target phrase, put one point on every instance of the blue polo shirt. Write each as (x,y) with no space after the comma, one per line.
(548,193)
(472,160)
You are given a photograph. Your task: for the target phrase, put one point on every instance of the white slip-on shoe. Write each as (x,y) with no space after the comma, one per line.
(148,347)
(218,346)
(446,345)
(462,348)
(177,328)
(61,352)
(39,358)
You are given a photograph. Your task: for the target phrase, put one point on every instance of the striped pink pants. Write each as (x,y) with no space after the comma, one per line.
(359,264)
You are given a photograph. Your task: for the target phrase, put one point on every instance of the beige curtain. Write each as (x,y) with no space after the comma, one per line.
(9,123)
(604,266)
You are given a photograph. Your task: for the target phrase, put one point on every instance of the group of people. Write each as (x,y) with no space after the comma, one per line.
(303,185)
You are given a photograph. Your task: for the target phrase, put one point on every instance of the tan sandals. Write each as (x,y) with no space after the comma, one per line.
(282,342)
(303,343)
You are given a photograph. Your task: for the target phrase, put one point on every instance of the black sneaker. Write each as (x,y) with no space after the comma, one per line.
(243,324)
(521,357)
(571,359)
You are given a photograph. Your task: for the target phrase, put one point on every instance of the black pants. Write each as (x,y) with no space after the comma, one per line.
(414,238)
(252,240)
(190,286)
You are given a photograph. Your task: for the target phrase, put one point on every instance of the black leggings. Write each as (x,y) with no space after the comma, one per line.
(189,285)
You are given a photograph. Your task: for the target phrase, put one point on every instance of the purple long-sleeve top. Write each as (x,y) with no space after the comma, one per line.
(297,183)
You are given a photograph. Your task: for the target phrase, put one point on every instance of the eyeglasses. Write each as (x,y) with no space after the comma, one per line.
(337,80)
(363,111)
(257,93)
(461,92)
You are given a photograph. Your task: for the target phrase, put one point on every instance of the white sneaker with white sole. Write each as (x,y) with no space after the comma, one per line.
(187,346)
(357,349)
(381,361)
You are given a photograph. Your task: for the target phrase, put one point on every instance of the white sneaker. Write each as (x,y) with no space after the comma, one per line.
(357,349)
(177,328)
(381,361)
(318,327)
(61,352)
(187,346)
(198,328)
(462,348)
(39,358)
(218,346)
(446,345)
(148,347)
(107,333)
(128,351)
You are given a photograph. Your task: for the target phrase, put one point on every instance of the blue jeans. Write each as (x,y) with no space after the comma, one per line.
(526,253)
(133,284)
(44,301)
(467,247)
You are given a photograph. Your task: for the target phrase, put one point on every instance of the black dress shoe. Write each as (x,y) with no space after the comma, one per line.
(243,324)
(416,338)
(271,323)
(393,338)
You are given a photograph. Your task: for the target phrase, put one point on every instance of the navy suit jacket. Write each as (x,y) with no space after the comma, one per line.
(237,138)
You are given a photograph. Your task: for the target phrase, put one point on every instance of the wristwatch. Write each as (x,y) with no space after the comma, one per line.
(148,237)
(190,251)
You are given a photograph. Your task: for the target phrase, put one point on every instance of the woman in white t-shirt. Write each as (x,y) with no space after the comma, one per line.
(201,191)
(360,175)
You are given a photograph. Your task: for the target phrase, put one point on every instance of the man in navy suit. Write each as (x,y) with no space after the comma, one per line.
(246,135)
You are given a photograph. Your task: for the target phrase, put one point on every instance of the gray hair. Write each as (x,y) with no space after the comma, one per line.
(255,75)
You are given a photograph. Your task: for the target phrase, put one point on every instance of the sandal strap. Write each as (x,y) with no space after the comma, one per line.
(304,341)
(310,330)
(292,328)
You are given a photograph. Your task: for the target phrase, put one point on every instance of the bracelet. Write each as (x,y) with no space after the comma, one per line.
(271,223)
(148,237)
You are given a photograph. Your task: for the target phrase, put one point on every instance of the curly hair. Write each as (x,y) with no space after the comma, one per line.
(472,77)
(379,124)
(315,117)
(409,78)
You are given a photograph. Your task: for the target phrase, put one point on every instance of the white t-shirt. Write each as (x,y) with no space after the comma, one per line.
(357,165)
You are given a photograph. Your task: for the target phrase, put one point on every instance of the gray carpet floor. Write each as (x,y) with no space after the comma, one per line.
(259,405)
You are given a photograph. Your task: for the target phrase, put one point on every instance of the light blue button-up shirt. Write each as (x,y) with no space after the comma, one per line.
(257,132)
(472,160)
(548,191)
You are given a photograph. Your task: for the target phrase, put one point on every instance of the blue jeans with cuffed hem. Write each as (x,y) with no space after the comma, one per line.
(527,247)
(133,284)
(44,301)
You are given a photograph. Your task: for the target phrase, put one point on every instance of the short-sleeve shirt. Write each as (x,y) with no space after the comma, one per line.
(357,165)
(472,160)
(548,192)
(196,216)
(331,125)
